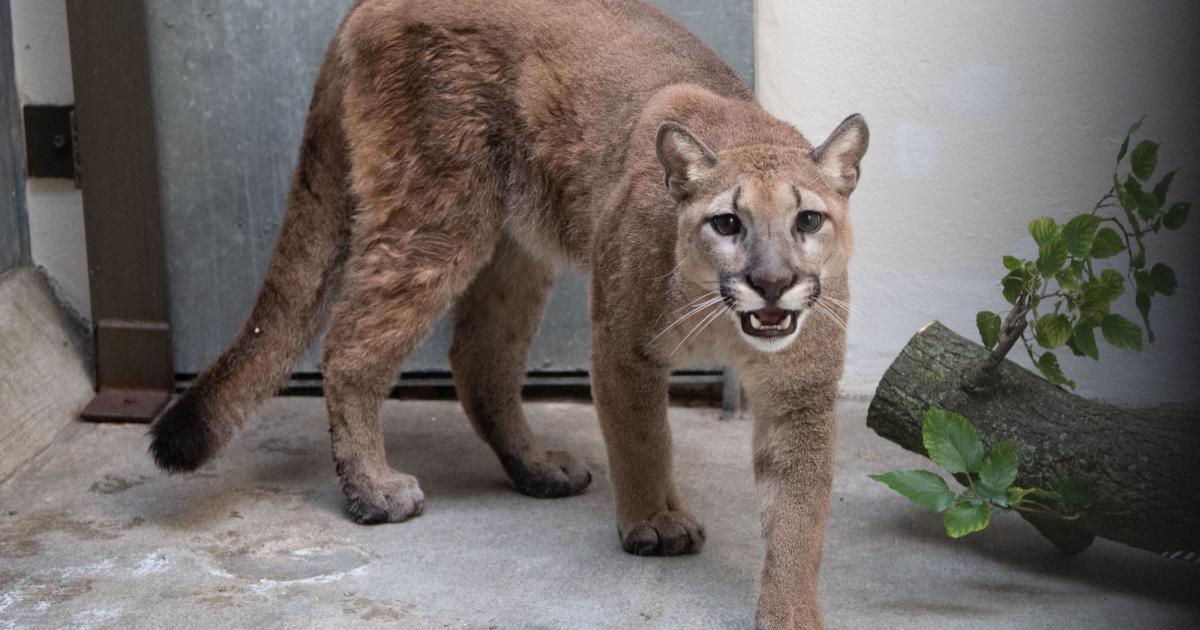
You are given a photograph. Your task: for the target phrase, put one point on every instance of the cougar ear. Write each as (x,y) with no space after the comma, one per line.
(839,156)
(685,159)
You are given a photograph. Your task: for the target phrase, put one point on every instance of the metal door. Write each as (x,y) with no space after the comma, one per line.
(232,80)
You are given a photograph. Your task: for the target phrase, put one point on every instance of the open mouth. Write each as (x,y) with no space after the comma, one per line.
(769,322)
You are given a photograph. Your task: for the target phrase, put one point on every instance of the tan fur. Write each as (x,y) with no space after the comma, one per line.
(456,154)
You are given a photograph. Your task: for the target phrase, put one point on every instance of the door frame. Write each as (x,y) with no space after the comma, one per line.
(14,224)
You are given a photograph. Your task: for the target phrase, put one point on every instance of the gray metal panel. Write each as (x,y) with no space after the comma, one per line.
(727,26)
(232,80)
(14,233)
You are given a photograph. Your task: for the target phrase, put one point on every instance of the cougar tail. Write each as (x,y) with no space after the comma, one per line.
(304,271)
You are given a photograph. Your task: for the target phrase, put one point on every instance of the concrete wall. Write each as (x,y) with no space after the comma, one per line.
(54,207)
(984,116)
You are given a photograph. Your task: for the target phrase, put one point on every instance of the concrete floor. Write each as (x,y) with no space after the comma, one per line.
(92,536)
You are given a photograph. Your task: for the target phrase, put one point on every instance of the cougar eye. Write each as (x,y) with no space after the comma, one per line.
(726,224)
(809,221)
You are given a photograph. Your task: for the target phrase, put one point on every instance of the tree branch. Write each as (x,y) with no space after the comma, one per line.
(1011,331)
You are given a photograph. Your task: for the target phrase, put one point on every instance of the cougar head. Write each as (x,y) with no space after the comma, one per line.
(761,227)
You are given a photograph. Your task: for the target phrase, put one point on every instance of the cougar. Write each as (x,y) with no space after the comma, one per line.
(457,153)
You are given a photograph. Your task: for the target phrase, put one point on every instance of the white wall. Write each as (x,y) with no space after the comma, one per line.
(985,115)
(55,207)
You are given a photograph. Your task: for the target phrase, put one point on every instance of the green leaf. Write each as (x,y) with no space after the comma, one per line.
(1113,282)
(1138,260)
(1052,257)
(922,487)
(1043,230)
(1121,333)
(1123,197)
(1106,244)
(1164,185)
(1135,126)
(1069,279)
(1096,302)
(989,328)
(1012,288)
(1133,193)
(1098,295)
(1015,495)
(1074,348)
(1078,234)
(1143,306)
(1048,365)
(1163,279)
(1085,341)
(999,469)
(1144,159)
(1143,282)
(1177,215)
(1012,263)
(1125,145)
(1052,331)
(1014,284)
(951,441)
(1148,206)
(963,518)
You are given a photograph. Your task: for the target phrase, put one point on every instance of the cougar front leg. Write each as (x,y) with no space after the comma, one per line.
(495,322)
(631,400)
(793,468)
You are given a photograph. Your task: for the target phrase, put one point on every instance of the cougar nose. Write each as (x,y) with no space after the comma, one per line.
(771,285)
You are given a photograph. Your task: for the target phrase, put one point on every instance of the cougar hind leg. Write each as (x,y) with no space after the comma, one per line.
(495,322)
(398,283)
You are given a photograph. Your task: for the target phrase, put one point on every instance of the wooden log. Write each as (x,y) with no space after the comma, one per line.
(1142,465)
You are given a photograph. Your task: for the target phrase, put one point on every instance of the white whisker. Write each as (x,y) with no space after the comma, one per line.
(829,314)
(677,266)
(851,309)
(687,315)
(701,298)
(708,319)
(836,319)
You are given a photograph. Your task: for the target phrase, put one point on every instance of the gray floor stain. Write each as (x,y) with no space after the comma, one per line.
(926,609)
(115,484)
(20,534)
(284,446)
(283,558)
(367,609)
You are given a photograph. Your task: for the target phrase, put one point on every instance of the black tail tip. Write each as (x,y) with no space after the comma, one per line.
(181,438)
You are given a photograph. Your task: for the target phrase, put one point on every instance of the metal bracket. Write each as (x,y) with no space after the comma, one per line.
(133,363)
(49,141)
(126,405)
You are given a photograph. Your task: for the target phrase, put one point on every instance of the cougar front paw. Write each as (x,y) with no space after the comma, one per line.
(548,475)
(668,533)
(384,499)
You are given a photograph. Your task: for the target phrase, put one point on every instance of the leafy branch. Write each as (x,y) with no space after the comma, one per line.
(1060,298)
(987,476)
